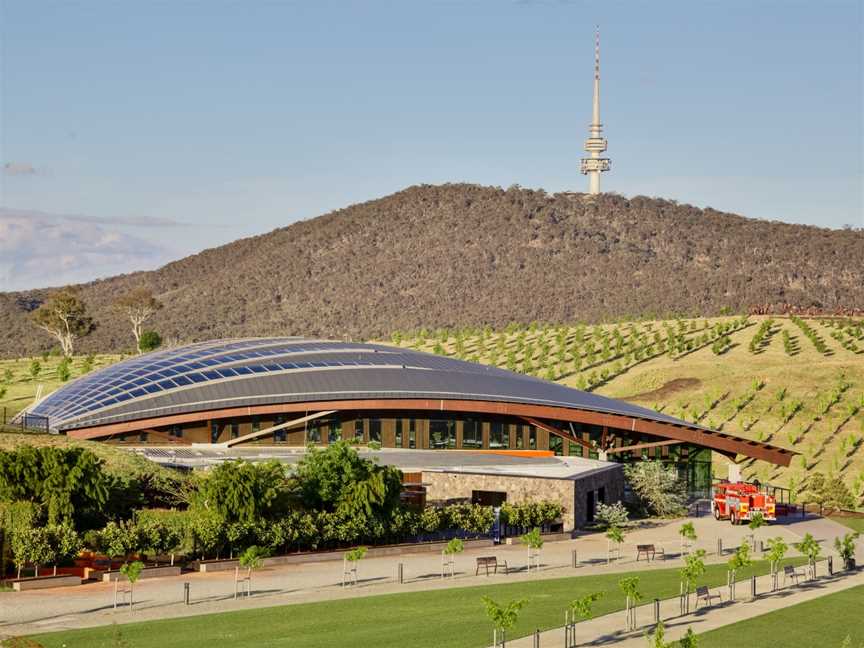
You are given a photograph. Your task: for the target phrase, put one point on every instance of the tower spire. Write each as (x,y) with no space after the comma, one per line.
(594,165)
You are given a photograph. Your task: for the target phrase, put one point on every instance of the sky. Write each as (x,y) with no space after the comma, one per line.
(133,133)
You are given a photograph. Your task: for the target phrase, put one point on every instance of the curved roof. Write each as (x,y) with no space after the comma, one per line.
(224,374)
(217,374)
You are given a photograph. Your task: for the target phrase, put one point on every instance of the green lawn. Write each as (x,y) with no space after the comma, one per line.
(823,622)
(856,524)
(452,618)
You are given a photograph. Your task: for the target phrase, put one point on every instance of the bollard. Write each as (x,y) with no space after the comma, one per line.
(574,559)
(537,638)
(656,611)
(830,565)
(186,592)
(401,573)
(719,546)
(753,588)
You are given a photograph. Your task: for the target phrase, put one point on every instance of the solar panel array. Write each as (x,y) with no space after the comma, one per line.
(135,388)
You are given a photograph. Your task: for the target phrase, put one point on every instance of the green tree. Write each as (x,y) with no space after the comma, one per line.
(67,482)
(657,486)
(63,370)
(132,572)
(150,341)
(688,535)
(139,305)
(502,616)
(694,568)
(583,606)
(242,491)
(846,548)
(251,559)
(64,543)
(337,479)
(64,316)
(777,549)
(658,639)
(35,369)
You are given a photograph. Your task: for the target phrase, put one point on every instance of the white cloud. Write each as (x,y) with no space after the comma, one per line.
(19,169)
(39,249)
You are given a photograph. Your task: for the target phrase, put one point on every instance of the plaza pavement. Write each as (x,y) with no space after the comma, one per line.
(92,604)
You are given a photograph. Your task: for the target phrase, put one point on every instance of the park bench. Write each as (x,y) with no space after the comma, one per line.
(790,572)
(487,562)
(650,552)
(704,594)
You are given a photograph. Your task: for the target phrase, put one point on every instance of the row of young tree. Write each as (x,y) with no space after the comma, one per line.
(64,316)
(56,501)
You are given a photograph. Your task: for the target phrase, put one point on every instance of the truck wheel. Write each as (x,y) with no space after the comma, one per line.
(733,519)
(716,513)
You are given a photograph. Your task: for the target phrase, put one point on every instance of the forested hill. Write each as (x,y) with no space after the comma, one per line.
(457,255)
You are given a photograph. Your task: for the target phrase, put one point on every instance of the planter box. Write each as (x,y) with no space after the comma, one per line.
(44,582)
(147,572)
(326,556)
(547,537)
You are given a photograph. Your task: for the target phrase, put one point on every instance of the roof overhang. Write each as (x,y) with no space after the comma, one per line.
(718,441)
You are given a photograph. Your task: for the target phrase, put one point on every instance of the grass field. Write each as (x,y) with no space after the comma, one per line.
(856,524)
(823,622)
(769,381)
(452,618)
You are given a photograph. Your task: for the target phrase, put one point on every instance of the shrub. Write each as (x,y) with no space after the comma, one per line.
(657,487)
(611,515)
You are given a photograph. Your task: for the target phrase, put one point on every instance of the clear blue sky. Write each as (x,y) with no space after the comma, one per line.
(168,127)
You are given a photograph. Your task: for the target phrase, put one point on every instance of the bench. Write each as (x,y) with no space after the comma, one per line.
(790,572)
(487,562)
(650,552)
(704,594)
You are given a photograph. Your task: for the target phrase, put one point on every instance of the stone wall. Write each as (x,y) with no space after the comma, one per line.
(570,493)
(612,480)
(453,485)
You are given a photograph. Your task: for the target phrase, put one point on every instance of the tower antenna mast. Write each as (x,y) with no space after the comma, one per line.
(595,145)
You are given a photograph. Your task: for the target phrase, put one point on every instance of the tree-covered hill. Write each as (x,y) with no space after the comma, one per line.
(459,255)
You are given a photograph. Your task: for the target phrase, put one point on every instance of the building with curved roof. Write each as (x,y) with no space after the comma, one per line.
(295,391)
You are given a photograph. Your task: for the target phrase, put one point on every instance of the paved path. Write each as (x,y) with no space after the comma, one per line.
(608,630)
(91,605)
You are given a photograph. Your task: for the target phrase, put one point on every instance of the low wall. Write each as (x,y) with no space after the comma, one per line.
(147,572)
(327,556)
(44,582)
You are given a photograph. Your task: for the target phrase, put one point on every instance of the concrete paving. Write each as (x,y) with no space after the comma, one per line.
(92,604)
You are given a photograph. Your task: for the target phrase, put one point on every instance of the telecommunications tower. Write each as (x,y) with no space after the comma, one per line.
(595,145)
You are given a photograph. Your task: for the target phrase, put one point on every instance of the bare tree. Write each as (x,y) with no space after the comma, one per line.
(64,316)
(138,305)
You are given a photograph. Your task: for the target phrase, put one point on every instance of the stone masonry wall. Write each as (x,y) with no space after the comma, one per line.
(451,485)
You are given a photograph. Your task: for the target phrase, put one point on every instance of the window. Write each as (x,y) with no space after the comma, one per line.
(574,449)
(520,437)
(375,430)
(177,431)
(556,444)
(442,434)
(397,437)
(532,437)
(279,436)
(412,433)
(235,429)
(334,431)
(256,424)
(142,437)
(313,432)
(358,431)
(498,436)
(214,432)
(472,434)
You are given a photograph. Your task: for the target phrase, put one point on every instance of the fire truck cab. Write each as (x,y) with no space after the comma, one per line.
(738,501)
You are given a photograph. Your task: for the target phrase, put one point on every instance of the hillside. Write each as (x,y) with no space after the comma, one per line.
(774,385)
(458,255)
(796,383)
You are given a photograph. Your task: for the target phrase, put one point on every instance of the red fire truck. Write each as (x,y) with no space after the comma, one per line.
(738,501)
